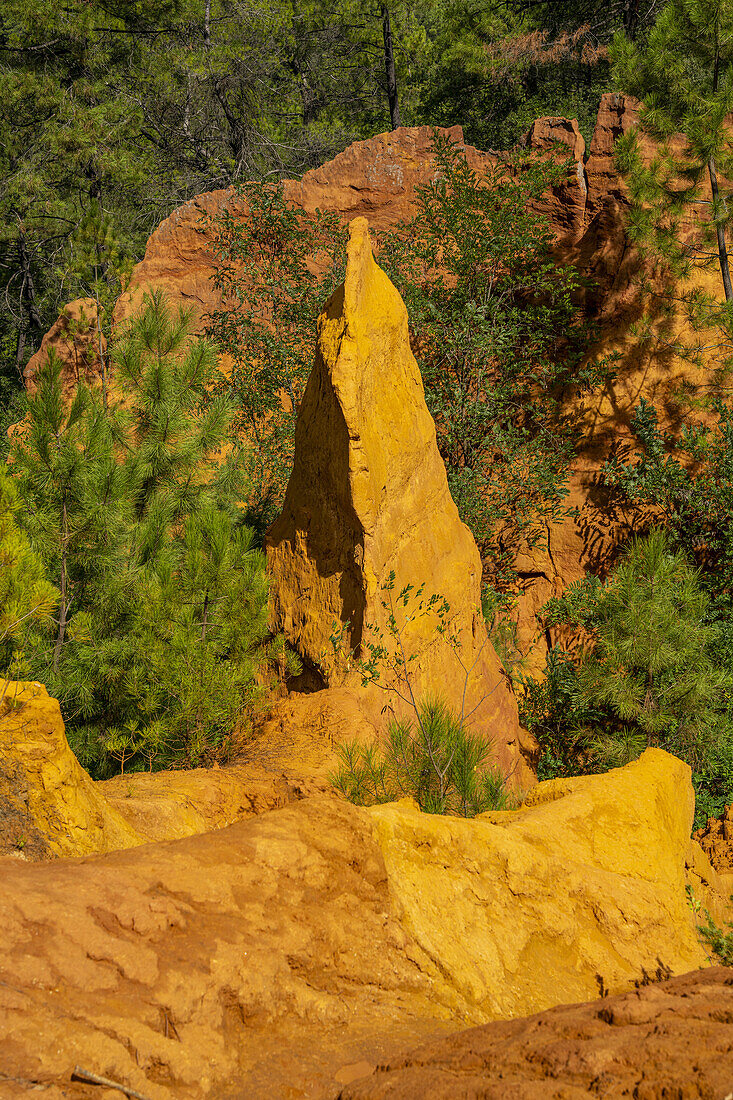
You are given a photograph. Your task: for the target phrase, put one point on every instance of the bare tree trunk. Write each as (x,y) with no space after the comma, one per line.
(720,232)
(394,108)
(631,18)
(207,24)
(20,348)
(25,263)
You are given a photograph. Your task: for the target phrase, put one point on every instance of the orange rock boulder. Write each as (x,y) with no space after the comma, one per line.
(368,511)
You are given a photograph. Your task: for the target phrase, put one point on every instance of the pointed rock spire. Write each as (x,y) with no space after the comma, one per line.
(368,497)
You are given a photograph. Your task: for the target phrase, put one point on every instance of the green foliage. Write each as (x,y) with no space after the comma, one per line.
(718,940)
(436,761)
(27,599)
(651,664)
(499,339)
(560,716)
(433,756)
(649,676)
(688,481)
(111,116)
(163,600)
(495,71)
(684,76)
(275,269)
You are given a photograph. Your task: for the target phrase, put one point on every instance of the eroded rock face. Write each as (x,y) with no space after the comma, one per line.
(716,840)
(289,953)
(674,1038)
(368,506)
(377,178)
(51,806)
(543,875)
(76,340)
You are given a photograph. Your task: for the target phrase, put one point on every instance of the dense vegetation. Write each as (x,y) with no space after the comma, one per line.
(133,583)
(161,603)
(113,114)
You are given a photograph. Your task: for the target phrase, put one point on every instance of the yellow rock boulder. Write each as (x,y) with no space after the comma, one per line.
(275,957)
(48,803)
(368,498)
(580,891)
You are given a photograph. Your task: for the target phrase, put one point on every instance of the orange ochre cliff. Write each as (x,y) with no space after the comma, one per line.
(246,932)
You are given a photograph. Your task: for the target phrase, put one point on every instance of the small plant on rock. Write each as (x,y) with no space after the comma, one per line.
(432,757)
(719,941)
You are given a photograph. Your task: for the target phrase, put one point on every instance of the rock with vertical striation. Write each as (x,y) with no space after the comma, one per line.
(368,500)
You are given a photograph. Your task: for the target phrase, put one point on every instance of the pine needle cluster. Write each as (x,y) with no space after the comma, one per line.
(650,673)
(435,760)
(27,599)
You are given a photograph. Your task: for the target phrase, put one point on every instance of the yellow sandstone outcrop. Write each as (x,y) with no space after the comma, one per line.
(51,807)
(368,498)
(270,958)
(579,891)
(50,800)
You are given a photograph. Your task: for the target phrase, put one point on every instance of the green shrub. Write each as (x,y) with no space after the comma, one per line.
(719,942)
(650,675)
(155,654)
(434,760)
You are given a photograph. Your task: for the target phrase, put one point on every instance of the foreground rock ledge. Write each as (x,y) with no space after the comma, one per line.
(663,1040)
(368,499)
(285,954)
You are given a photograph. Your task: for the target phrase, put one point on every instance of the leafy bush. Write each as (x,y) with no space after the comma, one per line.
(648,676)
(434,760)
(560,716)
(274,270)
(498,334)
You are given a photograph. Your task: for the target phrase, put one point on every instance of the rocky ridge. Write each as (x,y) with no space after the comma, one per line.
(368,512)
(289,953)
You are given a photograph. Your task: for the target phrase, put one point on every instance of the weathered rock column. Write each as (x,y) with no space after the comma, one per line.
(368,497)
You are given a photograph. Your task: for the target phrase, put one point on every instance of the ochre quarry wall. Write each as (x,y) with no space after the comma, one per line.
(368,506)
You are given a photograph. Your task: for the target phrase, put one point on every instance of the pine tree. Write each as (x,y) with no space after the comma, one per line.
(163,613)
(27,599)
(684,76)
(73,489)
(651,666)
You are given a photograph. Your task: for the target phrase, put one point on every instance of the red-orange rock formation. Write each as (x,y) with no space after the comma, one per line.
(674,1038)
(76,340)
(716,840)
(367,505)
